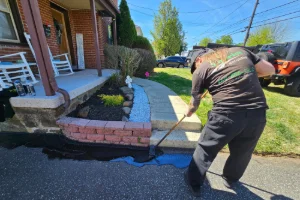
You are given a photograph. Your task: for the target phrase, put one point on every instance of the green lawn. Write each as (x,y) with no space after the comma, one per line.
(282,133)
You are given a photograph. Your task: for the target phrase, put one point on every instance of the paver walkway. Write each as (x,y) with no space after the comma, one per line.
(166,109)
(28,174)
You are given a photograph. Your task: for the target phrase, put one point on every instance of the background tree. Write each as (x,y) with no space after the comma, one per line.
(268,34)
(184,44)
(225,39)
(204,42)
(168,35)
(125,26)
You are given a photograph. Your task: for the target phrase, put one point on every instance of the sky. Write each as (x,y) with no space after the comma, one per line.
(215,21)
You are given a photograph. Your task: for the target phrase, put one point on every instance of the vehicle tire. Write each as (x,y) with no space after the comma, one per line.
(160,65)
(180,66)
(292,86)
(264,82)
(267,56)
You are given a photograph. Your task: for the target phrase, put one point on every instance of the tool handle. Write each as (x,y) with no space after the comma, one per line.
(170,131)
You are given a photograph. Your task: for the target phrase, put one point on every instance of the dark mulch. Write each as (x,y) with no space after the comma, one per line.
(98,111)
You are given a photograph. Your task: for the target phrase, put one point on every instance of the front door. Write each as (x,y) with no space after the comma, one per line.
(61,32)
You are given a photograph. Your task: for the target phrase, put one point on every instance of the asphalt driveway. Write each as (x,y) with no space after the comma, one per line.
(27,173)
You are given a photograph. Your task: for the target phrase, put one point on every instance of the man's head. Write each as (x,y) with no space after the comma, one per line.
(196,59)
(214,57)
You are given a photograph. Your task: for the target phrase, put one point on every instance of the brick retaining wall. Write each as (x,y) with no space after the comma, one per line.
(107,132)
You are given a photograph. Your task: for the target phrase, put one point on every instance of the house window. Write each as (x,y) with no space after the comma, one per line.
(8,31)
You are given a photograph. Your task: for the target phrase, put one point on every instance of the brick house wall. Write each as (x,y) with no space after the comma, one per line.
(80,22)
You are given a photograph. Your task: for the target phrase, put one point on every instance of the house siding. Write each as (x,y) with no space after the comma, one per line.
(80,22)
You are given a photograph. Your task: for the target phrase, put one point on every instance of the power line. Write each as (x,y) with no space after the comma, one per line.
(224,17)
(276,17)
(276,21)
(276,7)
(141,12)
(189,12)
(280,6)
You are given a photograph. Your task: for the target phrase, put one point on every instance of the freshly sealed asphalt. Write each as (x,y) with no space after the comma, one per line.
(27,173)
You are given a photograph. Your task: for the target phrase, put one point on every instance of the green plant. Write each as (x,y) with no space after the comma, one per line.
(142,43)
(204,42)
(124,59)
(112,100)
(168,34)
(147,64)
(125,26)
(130,60)
(111,57)
(225,39)
(115,80)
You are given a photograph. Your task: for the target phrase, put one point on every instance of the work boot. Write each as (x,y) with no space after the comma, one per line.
(195,190)
(229,183)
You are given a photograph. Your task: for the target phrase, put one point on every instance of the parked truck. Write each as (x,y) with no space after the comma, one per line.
(285,57)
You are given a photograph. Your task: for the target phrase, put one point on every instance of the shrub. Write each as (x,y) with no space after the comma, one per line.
(142,43)
(112,100)
(111,57)
(115,80)
(147,64)
(125,26)
(124,59)
(130,60)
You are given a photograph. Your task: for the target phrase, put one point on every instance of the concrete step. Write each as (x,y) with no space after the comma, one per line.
(165,121)
(177,139)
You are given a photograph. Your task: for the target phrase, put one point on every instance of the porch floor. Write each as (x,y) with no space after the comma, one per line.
(76,84)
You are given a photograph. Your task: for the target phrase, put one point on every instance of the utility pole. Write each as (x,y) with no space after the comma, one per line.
(250,23)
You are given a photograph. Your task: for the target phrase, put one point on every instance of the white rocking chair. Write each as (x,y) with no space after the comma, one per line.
(57,64)
(10,71)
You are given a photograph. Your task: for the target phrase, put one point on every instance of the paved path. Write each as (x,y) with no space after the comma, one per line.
(166,109)
(27,174)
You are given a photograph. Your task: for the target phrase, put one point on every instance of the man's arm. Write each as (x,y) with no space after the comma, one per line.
(194,104)
(197,90)
(264,68)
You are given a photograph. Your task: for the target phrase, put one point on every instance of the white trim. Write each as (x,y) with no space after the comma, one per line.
(14,25)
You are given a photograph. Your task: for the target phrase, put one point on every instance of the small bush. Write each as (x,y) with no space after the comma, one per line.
(112,100)
(130,60)
(111,57)
(142,43)
(147,64)
(115,80)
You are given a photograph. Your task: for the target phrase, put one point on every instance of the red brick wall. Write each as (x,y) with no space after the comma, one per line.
(80,22)
(107,132)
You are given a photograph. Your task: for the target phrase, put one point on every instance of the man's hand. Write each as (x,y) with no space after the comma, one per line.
(189,113)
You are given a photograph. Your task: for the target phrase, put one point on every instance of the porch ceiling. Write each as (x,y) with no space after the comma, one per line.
(80,4)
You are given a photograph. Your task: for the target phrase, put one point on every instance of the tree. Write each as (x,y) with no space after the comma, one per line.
(225,39)
(125,26)
(184,44)
(204,42)
(268,34)
(168,35)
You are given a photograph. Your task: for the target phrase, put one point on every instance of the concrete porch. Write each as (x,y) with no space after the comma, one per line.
(38,114)
(75,84)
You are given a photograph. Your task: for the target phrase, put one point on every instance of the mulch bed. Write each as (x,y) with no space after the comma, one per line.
(98,111)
